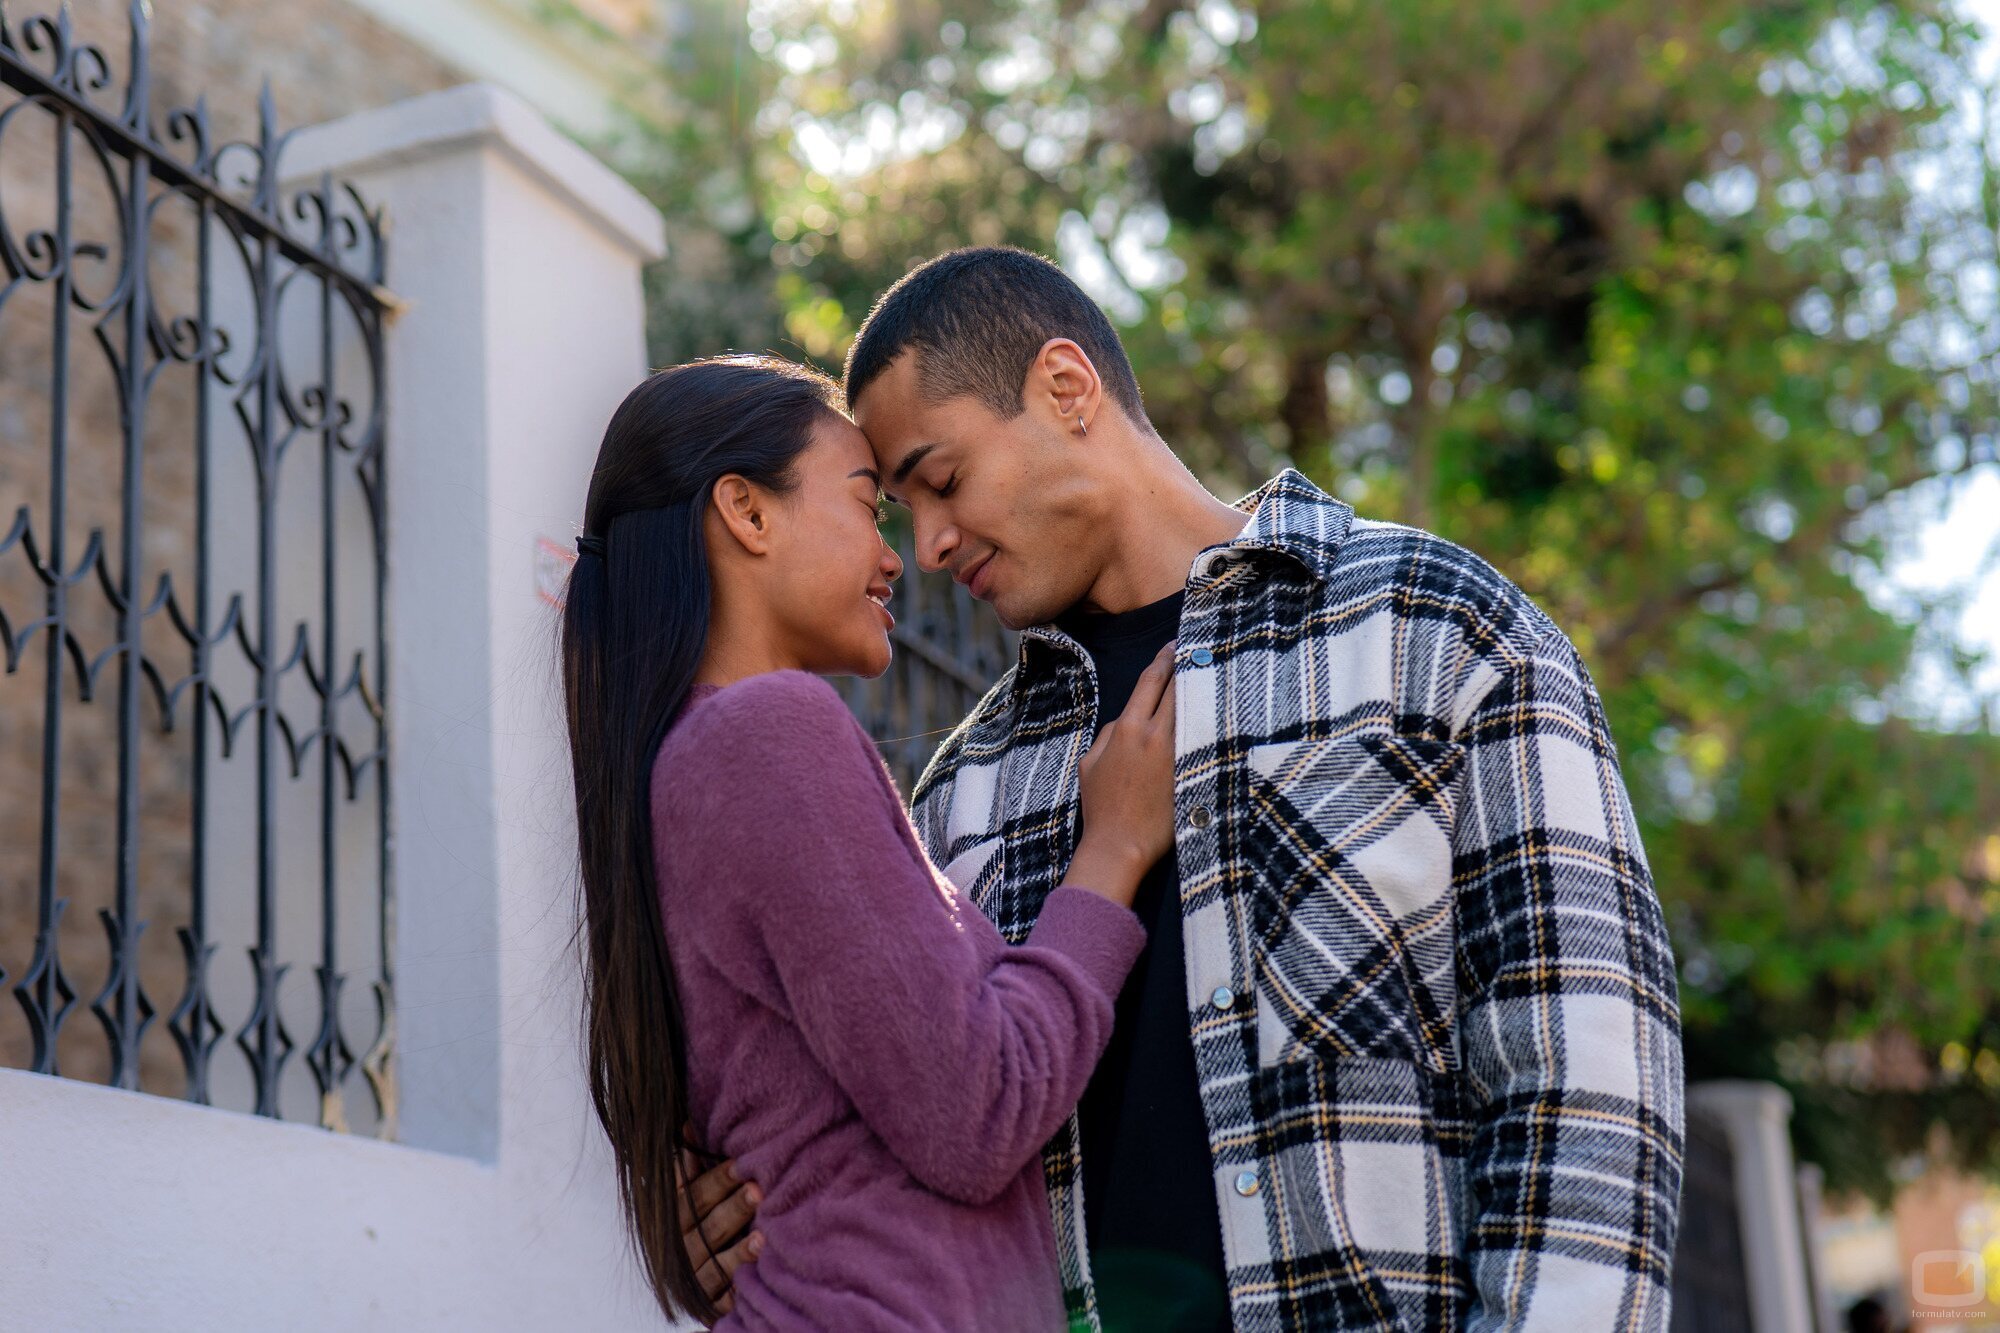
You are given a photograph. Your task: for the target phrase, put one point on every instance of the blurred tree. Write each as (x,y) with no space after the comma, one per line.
(1682,315)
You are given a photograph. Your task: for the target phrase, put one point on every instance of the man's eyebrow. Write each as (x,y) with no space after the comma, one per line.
(910,461)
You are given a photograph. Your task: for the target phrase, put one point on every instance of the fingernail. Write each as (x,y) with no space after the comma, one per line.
(734,1174)
(754,1194)
(756,1243)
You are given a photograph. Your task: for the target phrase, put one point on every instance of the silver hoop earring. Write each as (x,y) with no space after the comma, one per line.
(1079,424)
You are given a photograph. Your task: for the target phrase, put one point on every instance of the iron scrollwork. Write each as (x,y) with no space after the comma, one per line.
(317,249)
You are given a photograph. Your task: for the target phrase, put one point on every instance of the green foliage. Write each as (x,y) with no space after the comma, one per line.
(1641,302)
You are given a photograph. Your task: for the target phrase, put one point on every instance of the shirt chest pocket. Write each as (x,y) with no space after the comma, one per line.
(1348,873)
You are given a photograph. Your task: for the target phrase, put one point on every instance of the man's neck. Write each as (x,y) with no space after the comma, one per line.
(1163,520)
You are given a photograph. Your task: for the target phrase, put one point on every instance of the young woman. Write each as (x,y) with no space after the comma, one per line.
(772,967)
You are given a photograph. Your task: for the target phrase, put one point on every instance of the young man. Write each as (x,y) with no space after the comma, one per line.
(1403,1051)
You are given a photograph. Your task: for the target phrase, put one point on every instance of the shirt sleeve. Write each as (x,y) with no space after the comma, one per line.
(963,1054)
(1569,1022)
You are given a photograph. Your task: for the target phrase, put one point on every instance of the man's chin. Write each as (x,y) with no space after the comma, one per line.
(1017,617)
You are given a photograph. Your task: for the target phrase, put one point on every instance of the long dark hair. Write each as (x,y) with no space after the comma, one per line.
(635,623)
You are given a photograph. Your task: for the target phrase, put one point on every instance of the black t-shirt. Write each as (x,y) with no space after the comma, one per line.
(1148,1197)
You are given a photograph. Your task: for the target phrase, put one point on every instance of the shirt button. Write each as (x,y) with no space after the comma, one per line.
(1222,997)
(1199,816)
(1246,1183)
(1201,657)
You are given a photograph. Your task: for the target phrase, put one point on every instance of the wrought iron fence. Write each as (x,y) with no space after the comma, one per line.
(209,317)
(950,648)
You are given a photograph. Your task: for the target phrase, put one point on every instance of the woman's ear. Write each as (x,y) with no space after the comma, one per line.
(745,512)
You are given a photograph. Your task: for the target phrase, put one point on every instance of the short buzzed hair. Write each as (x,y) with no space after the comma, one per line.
(976,318)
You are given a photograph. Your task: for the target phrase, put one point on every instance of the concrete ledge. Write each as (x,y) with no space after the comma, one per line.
(483,114)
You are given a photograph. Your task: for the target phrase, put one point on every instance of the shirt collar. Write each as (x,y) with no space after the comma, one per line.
(1287,514)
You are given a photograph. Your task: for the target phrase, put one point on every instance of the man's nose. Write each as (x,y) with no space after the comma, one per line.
(934,546)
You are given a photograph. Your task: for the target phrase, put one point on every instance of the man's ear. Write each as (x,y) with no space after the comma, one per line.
(745,512)
(1063,377)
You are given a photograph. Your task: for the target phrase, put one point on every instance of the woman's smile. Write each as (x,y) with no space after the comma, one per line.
(880,594)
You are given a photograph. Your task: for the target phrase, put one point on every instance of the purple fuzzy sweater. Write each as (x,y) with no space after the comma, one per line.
(860,1038)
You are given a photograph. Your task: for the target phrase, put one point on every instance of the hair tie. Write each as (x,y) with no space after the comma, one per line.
(587,542)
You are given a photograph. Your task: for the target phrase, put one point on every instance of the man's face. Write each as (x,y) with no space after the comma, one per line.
(1001,503)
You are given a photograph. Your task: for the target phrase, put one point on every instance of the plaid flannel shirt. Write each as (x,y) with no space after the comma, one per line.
(1430,990)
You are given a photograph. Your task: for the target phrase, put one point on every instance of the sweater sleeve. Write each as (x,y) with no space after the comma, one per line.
(961,1053)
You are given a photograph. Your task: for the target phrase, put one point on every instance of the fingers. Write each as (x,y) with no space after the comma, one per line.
(1153,683)
(711,1187)
(718,1274)
(726,1223)
(723,1209)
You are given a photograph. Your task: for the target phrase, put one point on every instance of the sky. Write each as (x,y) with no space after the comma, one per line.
(1947,547)
(1937,560)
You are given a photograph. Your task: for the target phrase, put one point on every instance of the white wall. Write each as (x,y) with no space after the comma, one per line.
(518,256)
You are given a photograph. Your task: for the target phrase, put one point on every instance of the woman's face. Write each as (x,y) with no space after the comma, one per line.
(834,573)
